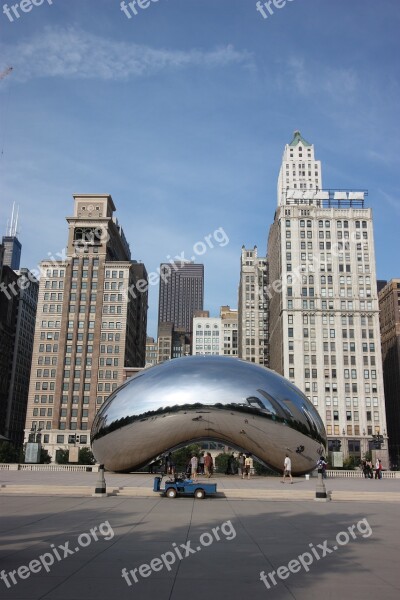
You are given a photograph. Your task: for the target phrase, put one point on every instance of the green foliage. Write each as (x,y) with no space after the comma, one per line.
(86,457)
(367,456)
(8,453)
(62,457)
(182,456)
(221,462)
(350,463)
(45,457)
(259,469)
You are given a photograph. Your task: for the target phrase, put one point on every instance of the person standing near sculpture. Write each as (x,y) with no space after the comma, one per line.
(194,464)
(201,464)
(287,469)
(241,464)
(208,464)
(378,469)
(248,466)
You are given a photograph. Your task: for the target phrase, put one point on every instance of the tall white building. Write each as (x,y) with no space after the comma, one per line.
(253,307)
(324,313)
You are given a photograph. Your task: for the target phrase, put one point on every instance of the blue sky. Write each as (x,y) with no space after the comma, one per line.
(182,112)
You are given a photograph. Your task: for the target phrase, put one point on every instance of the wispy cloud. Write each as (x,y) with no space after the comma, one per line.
(393,202)
(310,78)
(74,53)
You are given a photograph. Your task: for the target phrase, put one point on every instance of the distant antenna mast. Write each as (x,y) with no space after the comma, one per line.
(12,226)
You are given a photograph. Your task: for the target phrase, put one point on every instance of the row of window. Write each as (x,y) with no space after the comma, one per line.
(55,272)
(207,333)
(84,273)
(85,262)
(327,224)
(75,399)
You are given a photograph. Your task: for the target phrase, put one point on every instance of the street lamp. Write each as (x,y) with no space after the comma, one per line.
(35,436)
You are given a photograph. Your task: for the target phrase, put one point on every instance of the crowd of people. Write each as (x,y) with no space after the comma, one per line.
(243,466)
(369,471)
(203,464)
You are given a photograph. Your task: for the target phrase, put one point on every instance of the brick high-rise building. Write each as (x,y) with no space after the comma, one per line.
(389,304)
(91,323)
(324,313)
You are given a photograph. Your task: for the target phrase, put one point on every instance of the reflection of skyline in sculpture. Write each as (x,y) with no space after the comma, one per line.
(221,399)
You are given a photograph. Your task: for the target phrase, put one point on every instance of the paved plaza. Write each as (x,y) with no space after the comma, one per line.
(75,547)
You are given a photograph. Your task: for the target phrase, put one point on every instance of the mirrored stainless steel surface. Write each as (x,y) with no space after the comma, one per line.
(215,398)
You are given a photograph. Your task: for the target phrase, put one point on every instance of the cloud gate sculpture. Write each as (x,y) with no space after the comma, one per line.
(217,398)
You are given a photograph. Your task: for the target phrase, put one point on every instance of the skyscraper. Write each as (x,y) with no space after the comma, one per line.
(20,365)
(324,313)
(389,304)
(12,245)
(181,293)
(18,300)
(253,307)
(91,323)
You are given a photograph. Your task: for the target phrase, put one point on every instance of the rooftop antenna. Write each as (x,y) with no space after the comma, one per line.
(12,225)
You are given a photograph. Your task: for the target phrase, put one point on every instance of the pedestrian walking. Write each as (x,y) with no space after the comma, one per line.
(287,469)
(322,464)
(241,464)
(170,465)
(194,464)
(201,464)
(378,469)
(208,464)
(248,466)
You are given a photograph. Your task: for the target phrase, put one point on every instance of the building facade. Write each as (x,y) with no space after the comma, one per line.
(18,301)
(229,331)
(181,293)
(207,336)
(22,355)
(151,352)
(389,304)
(324,313)
(8,319)
(91,323)
(253,315)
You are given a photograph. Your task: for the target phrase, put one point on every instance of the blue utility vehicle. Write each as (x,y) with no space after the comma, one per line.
(177,486)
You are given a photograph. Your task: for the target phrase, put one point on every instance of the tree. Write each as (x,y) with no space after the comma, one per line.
(368,455)
(221,462)
(8,453)
(349,463)
(45,457)
(62,457)
(182,456)
(86,457)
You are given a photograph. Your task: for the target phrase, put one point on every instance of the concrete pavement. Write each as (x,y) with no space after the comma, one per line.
(140,485)
(261,537)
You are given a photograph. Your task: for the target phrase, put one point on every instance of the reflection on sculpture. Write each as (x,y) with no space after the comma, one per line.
(217,398)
